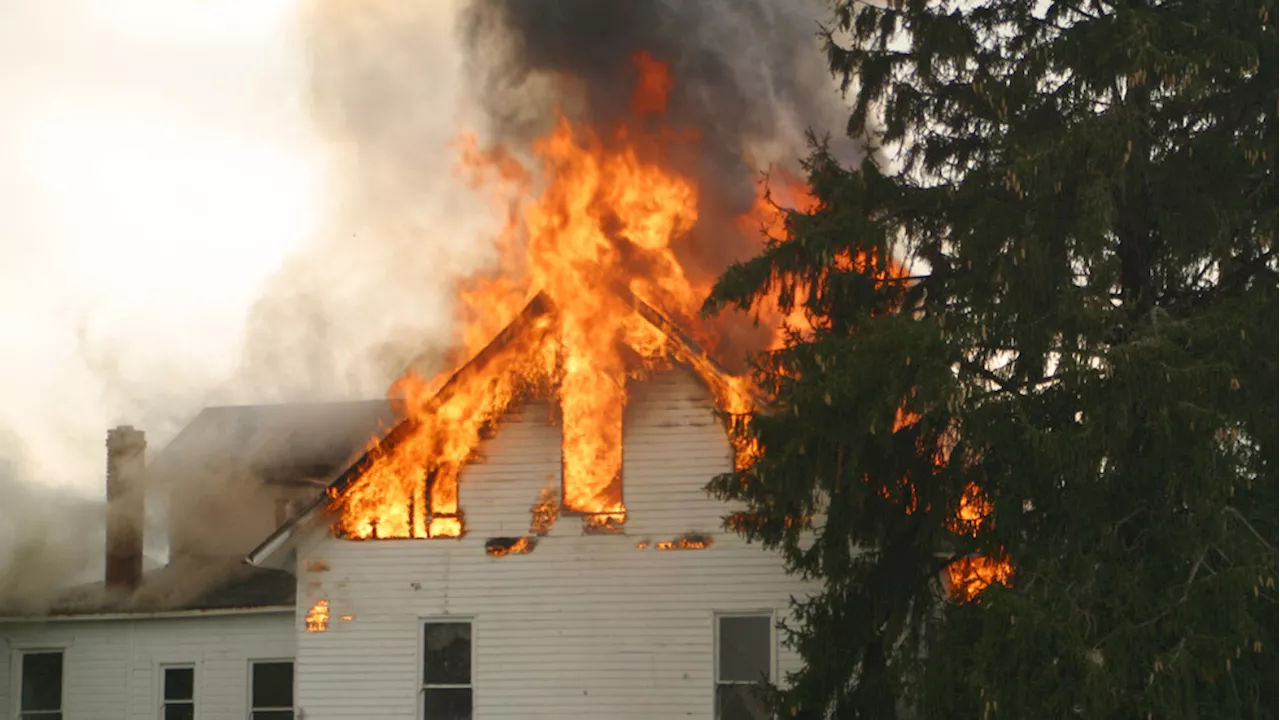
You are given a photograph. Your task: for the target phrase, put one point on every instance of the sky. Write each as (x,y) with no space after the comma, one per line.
(157,167)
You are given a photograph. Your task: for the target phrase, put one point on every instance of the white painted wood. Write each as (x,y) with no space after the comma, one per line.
(110,669)
(584,626)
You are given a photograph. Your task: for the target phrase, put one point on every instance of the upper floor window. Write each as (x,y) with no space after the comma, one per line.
(40,693)
(744,659)
(271,690)
(446,670)
(178,692)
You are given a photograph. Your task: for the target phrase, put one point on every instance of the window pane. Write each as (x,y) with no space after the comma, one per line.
(448,654)
(42,681)
(273,715)
(739,702)
(447,704)
(179,683)
(745,648)
(272,685)
(180,711)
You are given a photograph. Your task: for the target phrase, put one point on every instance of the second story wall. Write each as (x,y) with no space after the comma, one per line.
(582,626)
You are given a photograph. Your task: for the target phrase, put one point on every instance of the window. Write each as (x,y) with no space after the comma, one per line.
(446,670)
(744,659)
(178,693)
(271,690)
(40,694)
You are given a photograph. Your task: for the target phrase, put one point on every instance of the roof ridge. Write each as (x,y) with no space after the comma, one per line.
(686,350)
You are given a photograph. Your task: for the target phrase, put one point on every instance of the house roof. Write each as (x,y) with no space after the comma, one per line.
(194,584)
(286,442)
(298,444)
(683,350)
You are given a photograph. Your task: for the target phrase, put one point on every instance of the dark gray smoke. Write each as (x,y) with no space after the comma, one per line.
(750,77)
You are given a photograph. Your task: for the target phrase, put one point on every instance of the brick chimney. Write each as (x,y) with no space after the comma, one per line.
(126,460)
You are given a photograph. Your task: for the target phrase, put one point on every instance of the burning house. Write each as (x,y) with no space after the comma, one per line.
(525,534)
(513,584)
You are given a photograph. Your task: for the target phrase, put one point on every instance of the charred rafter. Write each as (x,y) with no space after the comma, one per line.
(683,349)
(538,306)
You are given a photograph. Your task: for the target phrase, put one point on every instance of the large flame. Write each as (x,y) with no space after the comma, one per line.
(597,213)
(602,219)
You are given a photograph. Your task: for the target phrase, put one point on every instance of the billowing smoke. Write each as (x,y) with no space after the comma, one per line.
(749,75)
(49,537)
(389,86)
(345,315)
(749,78)
(392,86)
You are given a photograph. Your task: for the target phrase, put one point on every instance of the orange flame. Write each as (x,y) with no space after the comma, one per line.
(967,576)
(655,84)
(603,216)
(685,542)
(317,618)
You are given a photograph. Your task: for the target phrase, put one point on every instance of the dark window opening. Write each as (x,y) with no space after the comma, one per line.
(446,670)
(271,690)
(179,693)
(40,694)
(744,660)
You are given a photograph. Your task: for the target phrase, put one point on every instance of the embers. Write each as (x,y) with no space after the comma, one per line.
(503,546)
(688,541)
(543,515)
(603,523)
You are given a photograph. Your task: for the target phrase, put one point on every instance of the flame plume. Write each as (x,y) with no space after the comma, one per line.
(588,254)
(603,220)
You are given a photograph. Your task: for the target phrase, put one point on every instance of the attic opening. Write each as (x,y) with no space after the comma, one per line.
(591,408)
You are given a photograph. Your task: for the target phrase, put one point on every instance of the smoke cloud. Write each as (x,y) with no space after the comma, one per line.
(749,78)
(157,167)
(333,286)
(393,83)
(345,315)
(49,537)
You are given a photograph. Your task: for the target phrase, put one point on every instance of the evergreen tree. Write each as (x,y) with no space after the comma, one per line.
(1052,291)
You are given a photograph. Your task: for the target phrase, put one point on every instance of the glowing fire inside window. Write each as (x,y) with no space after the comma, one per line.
(317,618)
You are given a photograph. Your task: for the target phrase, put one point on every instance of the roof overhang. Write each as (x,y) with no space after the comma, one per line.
(167,615)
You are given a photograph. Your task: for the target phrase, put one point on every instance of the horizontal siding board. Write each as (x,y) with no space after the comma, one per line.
(584,626)
(111,665)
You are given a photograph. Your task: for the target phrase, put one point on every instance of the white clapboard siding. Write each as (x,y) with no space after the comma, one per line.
(582,627)
(110,667)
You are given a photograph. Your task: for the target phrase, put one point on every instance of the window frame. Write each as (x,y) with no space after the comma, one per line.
(421,682)
(21,651)
(161,668)
(293,690)
(716,682)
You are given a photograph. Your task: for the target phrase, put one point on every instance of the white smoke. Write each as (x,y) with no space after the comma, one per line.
(157,165)
(346,314)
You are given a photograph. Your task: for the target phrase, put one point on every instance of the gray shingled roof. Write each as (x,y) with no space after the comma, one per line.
(294,443)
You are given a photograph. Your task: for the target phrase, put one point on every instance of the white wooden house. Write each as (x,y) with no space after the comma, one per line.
(634,624)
